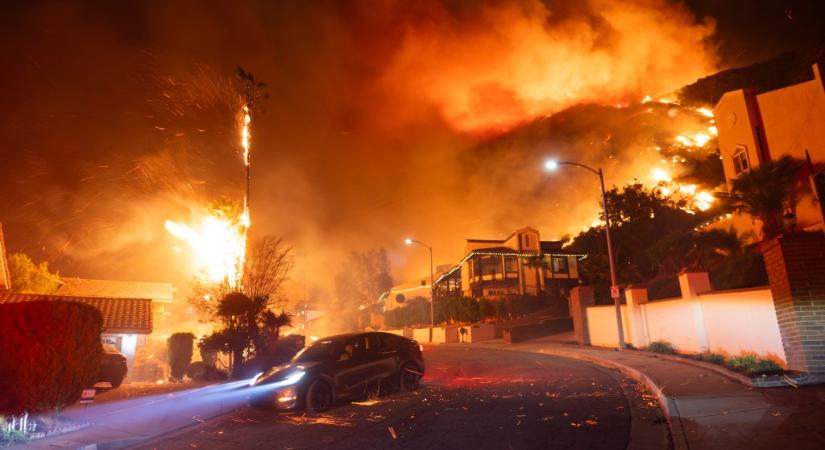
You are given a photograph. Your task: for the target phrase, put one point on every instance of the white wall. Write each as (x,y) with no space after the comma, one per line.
(672,321)
(480,332)
(743,320)
(421,334)
(733,322)
(601,321)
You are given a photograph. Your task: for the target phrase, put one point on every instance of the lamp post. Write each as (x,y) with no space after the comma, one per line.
(410,241)
(552,165)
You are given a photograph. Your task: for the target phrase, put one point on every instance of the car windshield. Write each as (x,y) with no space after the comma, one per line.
(318,352)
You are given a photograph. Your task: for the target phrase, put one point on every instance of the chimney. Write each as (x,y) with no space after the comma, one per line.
(5,282)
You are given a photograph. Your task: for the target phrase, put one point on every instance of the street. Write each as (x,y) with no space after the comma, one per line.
(471,398)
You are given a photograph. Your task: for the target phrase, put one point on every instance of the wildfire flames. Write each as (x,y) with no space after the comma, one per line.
(245,134)
(218,244)
(694,198)
(218,241)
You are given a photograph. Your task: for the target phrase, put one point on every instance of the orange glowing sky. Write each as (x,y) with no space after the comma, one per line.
(385,119)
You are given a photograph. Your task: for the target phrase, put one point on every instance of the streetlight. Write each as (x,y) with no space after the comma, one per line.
(410,241)
(552,165)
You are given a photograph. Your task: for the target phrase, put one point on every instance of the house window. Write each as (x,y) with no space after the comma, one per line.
(741,164)
(560,264)
(511,266)
(490,265)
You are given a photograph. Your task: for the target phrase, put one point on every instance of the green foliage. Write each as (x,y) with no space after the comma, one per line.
(49,352)
(462,310)
(653,240)
(201,371)
(740,270)
(416,312)
(661,346)
(179,353)
(30,278)
(715,358)
(766,192)
(249,329)
(753,365)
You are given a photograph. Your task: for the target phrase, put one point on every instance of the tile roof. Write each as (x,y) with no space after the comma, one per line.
(120,315)
(80,287)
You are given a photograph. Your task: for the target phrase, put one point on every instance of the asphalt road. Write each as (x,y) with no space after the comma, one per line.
(471,398)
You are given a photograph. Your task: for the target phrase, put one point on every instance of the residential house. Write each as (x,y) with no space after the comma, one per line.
(161,294)
(757,127)
(126,307)
(520,264)
(126,321)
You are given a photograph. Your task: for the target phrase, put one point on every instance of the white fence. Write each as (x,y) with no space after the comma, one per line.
(728,322)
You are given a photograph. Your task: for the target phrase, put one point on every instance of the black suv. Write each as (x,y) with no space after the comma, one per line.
(112,366)
(337,367)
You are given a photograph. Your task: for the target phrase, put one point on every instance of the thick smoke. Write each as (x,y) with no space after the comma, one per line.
(386,119)
(504,64)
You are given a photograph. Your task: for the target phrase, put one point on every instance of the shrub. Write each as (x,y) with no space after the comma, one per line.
(180,353)
(661,346)
(742,362)
(711,357)
(753,365)
(49,352)
(200,371)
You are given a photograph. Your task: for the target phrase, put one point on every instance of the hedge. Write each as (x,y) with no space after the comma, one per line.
(180,353)
(49,352)
(468,310)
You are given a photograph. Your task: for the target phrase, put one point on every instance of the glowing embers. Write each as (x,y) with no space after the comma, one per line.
(218,245)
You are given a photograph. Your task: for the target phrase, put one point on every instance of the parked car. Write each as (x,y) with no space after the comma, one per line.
(339,367)
(112,366)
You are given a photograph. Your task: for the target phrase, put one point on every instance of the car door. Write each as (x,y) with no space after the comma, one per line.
(388,354)
(353,372)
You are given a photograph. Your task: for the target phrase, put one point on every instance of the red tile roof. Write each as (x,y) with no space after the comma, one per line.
(120,315)
(81,287)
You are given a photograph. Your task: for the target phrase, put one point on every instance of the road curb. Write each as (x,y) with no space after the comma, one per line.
(667,404)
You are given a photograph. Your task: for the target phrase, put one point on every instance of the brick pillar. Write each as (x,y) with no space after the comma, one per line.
(580,298)
(796,272)
(636,296)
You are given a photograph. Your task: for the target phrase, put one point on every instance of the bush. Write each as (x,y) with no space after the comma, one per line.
(200,371)
(711,357)
(753,365)
(180,353)
(661,346)
(49,352)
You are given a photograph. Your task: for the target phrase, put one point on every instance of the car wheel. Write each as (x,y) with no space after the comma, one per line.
(319,396)
(409,377)
(117,382)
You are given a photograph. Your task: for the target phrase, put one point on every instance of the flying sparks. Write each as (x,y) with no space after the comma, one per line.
(218,241)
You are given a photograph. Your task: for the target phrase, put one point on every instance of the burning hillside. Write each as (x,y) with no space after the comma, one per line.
(663,145)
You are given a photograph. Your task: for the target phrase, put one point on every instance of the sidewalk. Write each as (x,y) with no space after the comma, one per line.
(707,410)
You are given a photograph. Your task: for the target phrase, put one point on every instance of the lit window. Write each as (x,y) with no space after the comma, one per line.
(560,264)
(741,164)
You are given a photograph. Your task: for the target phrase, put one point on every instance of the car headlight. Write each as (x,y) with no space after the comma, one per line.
(255,379)
(290,379)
